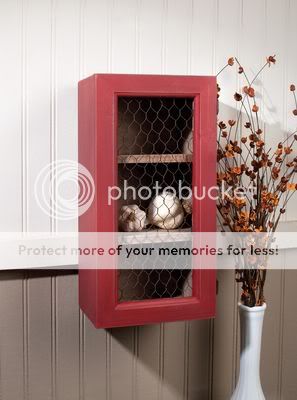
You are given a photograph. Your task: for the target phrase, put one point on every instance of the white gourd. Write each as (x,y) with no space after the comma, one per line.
(165,211)
(188,144)
(132,218)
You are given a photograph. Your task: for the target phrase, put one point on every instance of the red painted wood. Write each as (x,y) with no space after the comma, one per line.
(98,152)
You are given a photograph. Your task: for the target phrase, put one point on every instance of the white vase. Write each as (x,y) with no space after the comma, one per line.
(251,322)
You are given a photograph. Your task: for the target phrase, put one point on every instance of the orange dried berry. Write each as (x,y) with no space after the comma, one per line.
(221,176)
(222,125)
(260,143)
(288,150)
(271,60)
(291,186)
(243,139)
(237,96)
(253,216)
(255,108)
(275,170)
(239,202)
(229,154)
(236,170)
(249,91)
(231,61)
(292,88)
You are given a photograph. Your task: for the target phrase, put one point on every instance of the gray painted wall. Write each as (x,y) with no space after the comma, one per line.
(50,351)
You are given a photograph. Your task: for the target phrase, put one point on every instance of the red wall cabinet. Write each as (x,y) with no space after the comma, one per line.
(143,129)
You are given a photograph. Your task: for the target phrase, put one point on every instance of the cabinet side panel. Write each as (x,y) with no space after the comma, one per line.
(87,157)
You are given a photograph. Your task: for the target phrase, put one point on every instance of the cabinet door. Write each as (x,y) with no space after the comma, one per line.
(146,134)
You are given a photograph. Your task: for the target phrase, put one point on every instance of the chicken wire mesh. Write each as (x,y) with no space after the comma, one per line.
(154,284)
(155,145)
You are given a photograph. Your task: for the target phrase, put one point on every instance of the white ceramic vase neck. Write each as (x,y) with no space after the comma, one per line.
(251,323)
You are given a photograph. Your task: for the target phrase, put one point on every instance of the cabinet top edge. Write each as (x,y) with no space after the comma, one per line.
(103,76)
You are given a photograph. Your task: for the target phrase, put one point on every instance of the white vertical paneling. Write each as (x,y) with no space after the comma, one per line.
(66,75)
(96,36)
(123,39)
(275,87)
(252,34)
(289,33)
(38,97)
(227,45)
(251,50)
(290,78)
(203,21)
(177,26)
(53,44)
(12,117)
(150,57)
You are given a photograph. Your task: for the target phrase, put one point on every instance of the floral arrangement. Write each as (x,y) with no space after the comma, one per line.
(260,179)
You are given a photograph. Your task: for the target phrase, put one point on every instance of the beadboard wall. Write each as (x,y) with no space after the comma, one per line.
(48,350)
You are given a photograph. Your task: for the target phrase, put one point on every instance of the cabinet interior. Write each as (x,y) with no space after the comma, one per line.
(154,148)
